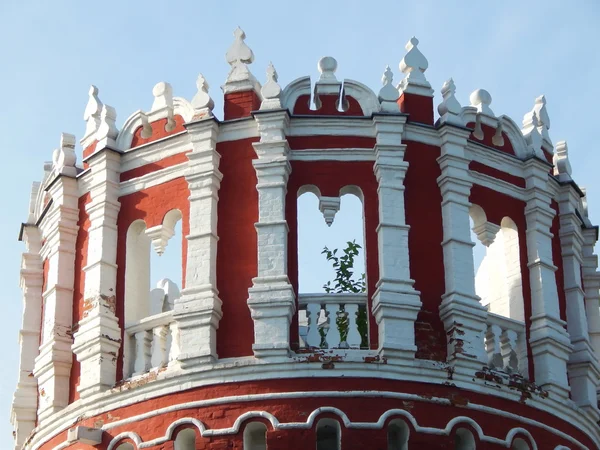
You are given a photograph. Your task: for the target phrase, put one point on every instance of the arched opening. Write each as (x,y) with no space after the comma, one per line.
(398,433)
(185,440)
(331,269)
(153,276)
(520,444)
(255,436)
(328,435)
(464,440)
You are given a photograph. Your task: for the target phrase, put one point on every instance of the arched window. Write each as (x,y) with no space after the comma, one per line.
(464,440)
(255,436)
(328,435)
(185,440)
(333,311)
(398,433)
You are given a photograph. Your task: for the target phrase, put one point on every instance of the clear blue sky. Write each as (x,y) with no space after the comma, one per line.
(52,51)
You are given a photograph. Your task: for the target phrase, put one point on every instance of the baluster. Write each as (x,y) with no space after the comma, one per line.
(159,346)
(173,342)
(508,344)
(353,339)
(492,346)
(313,338)
(333,334)
(143,340)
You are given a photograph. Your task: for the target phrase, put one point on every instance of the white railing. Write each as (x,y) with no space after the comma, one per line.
(153,343)
(332,320)
(505,343)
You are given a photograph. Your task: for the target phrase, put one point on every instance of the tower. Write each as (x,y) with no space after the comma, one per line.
(232,355)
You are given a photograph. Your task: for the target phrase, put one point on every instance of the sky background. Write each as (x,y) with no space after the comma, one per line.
(50,52)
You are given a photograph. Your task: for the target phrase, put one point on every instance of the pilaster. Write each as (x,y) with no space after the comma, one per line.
(549,341)
(24,404)
(396,303)
(198,310)
(59,230)
(583,368)
(98,337)
(271,298)
(461,312)
(591,283)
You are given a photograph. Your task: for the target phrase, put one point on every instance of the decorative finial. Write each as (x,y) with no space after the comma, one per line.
(327,66)
(481,99)
(388,94)
(92,112)
(163,99)
(562,166)
(498,138)
(414,64)
(202,102)
(449,109)
(239,56)
(146,127)
(543,120)
(107,131)
(271,91)
(533,136)
(329,206)
(64,158)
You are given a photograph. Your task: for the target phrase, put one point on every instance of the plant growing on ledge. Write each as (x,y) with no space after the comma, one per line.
(344,282)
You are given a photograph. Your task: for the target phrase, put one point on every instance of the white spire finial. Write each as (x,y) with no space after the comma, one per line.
(163,96)
(562,166)
(449,109)
(107,131)
(202,102)
(239,56)
(481,99)
(414,64)
(271,91)
(92,112)
(64,158)
(388,94)
(540,113)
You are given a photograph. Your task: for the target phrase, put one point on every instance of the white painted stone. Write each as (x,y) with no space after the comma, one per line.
(388,94)
(562,166)
(92,117)
(463,316)
(239,56)
(395,302)
(202,102)
(271,91)
(413,65)
(84,435)
(481,100)
(64,157)
(538,117)
(450,108)
(329,206)
(107,130)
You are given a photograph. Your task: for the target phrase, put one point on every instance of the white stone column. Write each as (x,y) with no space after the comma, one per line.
(591,283)
(583,368)
(59,229)
(395,303)
(98,337)
(198,310)
(463,315)
(271,298)
(24,404)
(549,341)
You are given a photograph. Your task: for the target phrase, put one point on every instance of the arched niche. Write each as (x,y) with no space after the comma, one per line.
(255,436)
(329,435)
(464,439)
(137,272)
(185,440)
(397,435)
(125,446)
(520,444)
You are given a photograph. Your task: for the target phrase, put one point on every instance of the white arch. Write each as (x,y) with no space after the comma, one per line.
(364,95)
(294,90)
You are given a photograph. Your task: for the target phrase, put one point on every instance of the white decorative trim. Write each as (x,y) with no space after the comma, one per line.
(331,126)
(333,154)
(153,179)
(364,95)
(234,429)
(501,186)
(235,130)
(294,90)
(422,134)
(155,151)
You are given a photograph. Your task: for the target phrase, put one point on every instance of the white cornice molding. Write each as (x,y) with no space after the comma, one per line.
(155,151)
(333,154)
(331,126)
(497,185)
(235,130)
(495,159)
(152,179)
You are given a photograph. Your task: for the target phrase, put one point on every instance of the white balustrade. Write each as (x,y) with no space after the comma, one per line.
(505,344)
(332,320)
(154,341)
